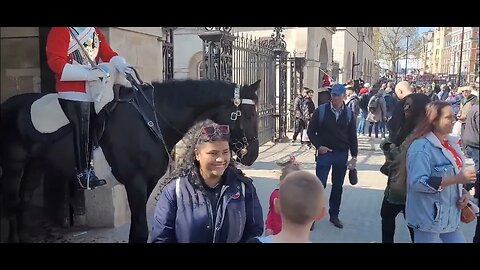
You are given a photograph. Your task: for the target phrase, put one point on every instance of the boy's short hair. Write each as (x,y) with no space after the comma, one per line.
(301,197)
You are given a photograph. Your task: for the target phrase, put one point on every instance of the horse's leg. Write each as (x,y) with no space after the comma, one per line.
(32,177)
(12,176)
(151,186)
(137,199)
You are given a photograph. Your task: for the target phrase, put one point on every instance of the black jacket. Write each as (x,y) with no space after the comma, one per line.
(470,135)
(333,134)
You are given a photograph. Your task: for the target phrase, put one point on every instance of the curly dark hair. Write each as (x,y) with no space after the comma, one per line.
(186,164)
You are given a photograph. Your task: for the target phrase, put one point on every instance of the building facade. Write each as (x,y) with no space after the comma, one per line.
(23,65)
(438,45)
(464,54)
(426,53)
(354,51)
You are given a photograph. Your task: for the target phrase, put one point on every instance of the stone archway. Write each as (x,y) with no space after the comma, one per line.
(323,56)
(194,64)
(323,59)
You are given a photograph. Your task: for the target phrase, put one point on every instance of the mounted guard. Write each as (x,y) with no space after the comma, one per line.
(73,54)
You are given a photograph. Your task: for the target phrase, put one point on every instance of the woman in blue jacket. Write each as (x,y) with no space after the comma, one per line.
(435,173)
(206,199)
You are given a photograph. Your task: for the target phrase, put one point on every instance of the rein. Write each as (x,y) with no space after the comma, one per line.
(240,146)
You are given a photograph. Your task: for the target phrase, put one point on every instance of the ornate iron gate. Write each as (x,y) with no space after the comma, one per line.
(297,63)
(167,51)
(217,53)
(281,57)
(244,60)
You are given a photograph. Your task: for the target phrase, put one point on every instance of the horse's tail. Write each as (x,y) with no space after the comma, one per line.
(8,117)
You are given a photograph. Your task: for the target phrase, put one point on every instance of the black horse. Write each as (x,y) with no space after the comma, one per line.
(137,150)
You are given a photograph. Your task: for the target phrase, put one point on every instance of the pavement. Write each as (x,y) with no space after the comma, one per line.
(359,211)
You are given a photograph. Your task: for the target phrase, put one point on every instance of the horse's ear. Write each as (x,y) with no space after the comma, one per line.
(254,86)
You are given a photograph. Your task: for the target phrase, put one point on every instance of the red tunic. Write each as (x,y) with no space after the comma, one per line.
(58,43)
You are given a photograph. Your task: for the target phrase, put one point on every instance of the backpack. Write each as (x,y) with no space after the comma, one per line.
(390,102)
(373,104)
(321,113)
(351,105)
(363,102)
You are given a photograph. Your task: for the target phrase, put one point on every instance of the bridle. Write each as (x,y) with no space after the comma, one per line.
(239,147)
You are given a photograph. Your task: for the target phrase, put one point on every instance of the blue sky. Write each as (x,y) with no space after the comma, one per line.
(424,29)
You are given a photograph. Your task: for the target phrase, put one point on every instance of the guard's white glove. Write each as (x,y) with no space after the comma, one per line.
(121,65)
(81,73)
(96,74)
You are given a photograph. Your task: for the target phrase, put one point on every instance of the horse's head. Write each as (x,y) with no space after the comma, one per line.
(241,114)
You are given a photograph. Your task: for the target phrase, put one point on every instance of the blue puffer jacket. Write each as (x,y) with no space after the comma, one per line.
(239,213)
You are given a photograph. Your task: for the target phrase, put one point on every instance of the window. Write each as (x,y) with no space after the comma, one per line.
(438,41)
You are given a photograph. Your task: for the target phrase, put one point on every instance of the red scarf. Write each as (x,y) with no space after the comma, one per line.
(458,159)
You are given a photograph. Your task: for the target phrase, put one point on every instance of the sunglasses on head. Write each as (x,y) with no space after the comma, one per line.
(222,130)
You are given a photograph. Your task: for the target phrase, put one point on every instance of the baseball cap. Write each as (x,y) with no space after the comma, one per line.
(338,89)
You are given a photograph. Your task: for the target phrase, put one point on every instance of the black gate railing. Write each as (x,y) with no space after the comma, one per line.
(281,55)
(254,59)
(167,51)
(297,64)
(244,60)
(217,53)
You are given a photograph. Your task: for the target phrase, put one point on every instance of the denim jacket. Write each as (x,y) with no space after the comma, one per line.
(428,208)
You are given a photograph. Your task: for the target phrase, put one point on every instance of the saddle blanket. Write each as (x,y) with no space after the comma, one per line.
(47,115)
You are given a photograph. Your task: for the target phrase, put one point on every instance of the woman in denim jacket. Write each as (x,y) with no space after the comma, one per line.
(435,172)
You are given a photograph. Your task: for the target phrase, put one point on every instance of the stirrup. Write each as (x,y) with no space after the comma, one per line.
(88,180)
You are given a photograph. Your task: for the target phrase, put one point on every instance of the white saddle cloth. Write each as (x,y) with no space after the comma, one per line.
(47,115)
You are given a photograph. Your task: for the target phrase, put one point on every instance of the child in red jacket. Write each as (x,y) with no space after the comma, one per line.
(273,224)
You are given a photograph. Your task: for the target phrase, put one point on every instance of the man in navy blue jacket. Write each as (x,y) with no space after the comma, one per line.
(333,137)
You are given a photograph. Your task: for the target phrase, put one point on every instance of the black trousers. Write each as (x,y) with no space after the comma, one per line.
(388,213)
(79,114)
(300,125)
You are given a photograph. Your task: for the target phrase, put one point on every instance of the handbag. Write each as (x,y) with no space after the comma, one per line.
(304,137)
(468,213)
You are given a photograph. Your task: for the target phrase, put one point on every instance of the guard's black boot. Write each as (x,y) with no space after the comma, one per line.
(78,113)
(88,180)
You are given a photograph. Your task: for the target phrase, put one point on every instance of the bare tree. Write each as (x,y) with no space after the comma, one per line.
(393,43)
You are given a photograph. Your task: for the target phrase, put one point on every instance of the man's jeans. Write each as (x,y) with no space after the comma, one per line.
(337,160)
(361,124)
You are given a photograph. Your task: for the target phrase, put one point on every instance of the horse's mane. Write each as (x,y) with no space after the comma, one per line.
(193,91)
